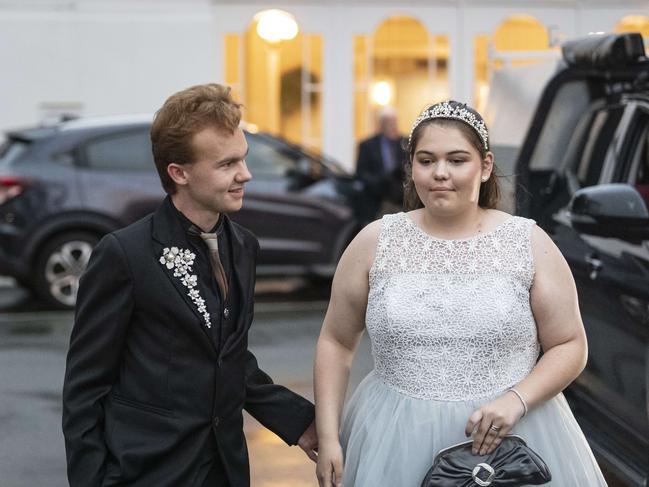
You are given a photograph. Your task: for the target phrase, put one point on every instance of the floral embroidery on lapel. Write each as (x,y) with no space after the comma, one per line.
(181,261)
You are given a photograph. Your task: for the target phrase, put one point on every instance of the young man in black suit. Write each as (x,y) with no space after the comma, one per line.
(380,166)
(158,370)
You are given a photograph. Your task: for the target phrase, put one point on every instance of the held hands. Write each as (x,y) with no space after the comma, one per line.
(492,421)
(309,442)
(330,464)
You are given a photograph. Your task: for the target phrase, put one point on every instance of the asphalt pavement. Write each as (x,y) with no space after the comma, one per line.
(33,345)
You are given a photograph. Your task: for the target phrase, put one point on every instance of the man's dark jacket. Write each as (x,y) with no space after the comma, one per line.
(148,399)
(380,184)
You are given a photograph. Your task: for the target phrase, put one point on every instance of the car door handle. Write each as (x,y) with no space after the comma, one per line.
(594,266)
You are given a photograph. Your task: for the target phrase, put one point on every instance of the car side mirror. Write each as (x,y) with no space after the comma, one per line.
(610,210)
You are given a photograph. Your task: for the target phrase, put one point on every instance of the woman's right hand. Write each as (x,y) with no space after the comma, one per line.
(330,464)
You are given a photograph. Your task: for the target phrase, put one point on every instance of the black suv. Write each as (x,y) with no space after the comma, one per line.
(585,168)
(64,186)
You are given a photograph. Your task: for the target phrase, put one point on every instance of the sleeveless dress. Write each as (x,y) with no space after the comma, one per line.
(451,328)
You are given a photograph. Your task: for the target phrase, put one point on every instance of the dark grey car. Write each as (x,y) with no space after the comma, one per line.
(64,186)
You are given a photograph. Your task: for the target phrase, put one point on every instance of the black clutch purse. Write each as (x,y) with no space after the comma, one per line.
(513,463)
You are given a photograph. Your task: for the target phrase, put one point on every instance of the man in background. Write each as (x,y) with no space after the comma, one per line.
(380,167)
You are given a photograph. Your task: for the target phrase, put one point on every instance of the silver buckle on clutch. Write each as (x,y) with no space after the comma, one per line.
(478,480)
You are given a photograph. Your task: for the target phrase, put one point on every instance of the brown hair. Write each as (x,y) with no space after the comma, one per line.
(489,190)
(182,116)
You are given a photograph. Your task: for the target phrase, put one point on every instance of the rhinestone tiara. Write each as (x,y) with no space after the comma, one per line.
(458,112)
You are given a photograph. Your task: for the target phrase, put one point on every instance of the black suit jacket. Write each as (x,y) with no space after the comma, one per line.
(380,184)
(148,400)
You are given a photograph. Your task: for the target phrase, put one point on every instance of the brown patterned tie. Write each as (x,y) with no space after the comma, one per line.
(211,240)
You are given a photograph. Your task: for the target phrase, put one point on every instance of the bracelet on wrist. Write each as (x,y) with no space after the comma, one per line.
(518,394)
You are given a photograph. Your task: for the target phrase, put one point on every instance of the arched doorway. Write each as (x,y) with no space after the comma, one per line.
(634,23)
(279,83)
(518,40)
(400,65)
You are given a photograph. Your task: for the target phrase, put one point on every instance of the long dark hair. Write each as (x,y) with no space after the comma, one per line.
(489,190)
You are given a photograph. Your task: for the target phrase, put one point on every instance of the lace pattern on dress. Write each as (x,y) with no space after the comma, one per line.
(451,319)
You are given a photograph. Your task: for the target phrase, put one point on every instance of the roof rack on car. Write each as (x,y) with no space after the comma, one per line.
(57,119)
(109,120)
(604,51)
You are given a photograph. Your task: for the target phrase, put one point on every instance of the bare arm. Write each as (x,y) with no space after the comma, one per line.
(561,332)
(341,332)
(554,302)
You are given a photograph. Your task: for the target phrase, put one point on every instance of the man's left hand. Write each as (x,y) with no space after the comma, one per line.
(309,442)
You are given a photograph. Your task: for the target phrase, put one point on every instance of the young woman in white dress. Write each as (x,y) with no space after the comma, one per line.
(458,299)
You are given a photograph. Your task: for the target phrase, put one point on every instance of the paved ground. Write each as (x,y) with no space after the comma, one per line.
(33,344)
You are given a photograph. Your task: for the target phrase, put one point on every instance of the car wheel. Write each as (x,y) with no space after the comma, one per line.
(59,266)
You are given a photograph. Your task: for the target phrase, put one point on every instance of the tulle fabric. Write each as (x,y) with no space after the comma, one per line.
(390,439)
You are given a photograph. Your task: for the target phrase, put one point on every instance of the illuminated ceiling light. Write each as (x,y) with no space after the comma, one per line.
(276,25)
(382,93)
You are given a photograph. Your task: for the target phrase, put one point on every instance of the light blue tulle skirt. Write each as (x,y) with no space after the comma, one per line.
(390,439)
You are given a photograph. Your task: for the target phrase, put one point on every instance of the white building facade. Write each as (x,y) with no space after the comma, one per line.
(94,58)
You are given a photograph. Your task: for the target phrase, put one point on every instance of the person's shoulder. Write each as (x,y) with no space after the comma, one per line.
(370,233)
(244,233)
(546,253)
(498,218)
(372,139)
(127,240)
(358,256)
(540,239)
(364,244)
(135,232)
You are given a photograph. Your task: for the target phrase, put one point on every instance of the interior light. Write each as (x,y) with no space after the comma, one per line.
(382,93)
(276,25)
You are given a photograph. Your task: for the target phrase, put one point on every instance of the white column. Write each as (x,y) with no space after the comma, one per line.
(338,90)
(461,59)
(273,63)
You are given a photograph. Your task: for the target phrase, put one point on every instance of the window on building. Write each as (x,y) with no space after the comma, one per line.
(519,40)
(634,23)
(400,65)
(280,83)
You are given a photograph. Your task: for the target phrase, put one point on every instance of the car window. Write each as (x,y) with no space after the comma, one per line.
(266,159)
(274,158)
(10,150)
(131,151)
(635,169)
(641,177)
(568,106)
(598,140)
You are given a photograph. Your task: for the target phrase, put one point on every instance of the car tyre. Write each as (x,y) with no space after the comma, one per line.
(59,266)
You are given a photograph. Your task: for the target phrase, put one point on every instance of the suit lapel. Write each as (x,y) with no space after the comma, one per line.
(168,232)
(378,155)
(243,262)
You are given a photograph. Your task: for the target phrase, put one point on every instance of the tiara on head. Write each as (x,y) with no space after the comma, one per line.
(457,112)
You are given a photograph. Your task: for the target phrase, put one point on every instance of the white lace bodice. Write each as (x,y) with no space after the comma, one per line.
(451,319)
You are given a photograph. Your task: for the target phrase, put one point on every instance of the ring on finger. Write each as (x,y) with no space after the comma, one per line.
(495,428)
